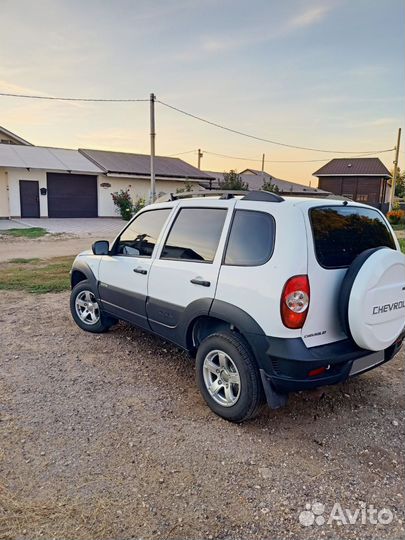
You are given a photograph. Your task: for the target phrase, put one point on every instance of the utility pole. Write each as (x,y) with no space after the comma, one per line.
(200,155)
(152,195)
(394,177)
(263,157)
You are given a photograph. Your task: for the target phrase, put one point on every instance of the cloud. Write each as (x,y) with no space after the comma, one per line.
(213,44)
(12,88)
(309,17)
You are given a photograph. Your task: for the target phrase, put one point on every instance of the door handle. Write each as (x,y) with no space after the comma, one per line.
(140,271)
(202,282)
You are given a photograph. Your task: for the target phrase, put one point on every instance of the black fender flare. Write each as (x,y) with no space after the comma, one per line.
(232,315)
(82,267)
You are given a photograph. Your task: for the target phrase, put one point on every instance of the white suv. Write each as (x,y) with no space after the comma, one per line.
(270,294)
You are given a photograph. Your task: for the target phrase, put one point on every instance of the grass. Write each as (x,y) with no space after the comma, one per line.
(399,227)
(33,232)
(36,275)
(402,244)
(24,261)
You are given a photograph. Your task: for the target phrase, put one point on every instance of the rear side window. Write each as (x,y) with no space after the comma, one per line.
(342,233)
(251,240)
(195,234)
(139,238)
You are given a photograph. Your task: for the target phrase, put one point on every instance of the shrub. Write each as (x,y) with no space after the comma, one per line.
(123,201)
(396,216)
(188,186)
(233,181)
(138,205)
(269,186)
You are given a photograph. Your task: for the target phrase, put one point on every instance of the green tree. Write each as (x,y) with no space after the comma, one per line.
(400,183)
(233,181)
(269,186)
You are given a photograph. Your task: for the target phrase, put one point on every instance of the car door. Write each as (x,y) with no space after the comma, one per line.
(185,271)
(123,275)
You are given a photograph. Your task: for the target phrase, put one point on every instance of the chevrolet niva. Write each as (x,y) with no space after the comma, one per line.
(271,295)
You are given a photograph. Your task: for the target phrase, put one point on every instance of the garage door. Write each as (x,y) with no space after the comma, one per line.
(72,195)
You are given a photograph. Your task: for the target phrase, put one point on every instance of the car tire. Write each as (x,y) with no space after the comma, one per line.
(228,377)
(86,311)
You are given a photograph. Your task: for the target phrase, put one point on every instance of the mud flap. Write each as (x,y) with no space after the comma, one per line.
(275,400)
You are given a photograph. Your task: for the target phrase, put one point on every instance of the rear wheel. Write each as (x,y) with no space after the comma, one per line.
(228,377)
(86,311)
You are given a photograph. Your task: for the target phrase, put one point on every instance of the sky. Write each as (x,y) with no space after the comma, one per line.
(322,74)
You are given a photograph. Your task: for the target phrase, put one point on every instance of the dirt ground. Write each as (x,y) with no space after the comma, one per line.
(106,437)
(56,245)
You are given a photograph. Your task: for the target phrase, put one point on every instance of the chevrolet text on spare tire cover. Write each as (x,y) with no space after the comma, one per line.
(269,294)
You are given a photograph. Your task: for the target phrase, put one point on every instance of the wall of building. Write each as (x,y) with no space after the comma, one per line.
(14,177)
(4,207)
(364,189)
(138,188)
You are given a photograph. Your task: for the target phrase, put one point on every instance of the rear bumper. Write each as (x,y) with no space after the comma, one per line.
(286,363)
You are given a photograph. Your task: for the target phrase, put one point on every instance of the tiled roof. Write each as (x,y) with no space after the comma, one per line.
(255,180)
(139,164)
(41,157)
(354,167)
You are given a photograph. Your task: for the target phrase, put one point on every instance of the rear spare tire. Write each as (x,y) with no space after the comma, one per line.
(372,300)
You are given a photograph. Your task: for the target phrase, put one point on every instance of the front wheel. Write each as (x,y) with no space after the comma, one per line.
(86,311)
(228,377)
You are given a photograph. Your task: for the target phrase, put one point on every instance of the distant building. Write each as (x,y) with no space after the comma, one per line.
(37,181)
(7,137)
(255,179)
(366,180)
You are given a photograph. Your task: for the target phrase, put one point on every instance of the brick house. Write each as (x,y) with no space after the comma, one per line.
(365,180)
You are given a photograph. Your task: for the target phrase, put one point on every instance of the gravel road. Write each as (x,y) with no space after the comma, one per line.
(106,437)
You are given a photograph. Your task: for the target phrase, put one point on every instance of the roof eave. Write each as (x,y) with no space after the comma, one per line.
(379,175)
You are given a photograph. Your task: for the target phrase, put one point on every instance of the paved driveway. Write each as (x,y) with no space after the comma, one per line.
(108,227)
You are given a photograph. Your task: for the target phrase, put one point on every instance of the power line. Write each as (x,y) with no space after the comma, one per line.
(27,96)
(182,153)
(255,137)
(204,120)
(287,160)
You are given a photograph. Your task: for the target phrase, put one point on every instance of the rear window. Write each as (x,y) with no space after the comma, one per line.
(342,233)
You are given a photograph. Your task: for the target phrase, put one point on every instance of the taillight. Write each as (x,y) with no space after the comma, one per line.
(295,302)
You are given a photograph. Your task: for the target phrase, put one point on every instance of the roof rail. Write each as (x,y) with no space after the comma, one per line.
(223,194)
(265,196)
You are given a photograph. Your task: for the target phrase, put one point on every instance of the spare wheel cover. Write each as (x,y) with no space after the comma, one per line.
(373,298)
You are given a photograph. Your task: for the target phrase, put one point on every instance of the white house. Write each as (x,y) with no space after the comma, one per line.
(39,181)
(255,179)
(7,137)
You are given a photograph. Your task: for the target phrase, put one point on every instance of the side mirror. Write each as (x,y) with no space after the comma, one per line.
(101,247)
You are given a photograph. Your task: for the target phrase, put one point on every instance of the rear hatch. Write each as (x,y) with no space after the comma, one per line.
(337,233)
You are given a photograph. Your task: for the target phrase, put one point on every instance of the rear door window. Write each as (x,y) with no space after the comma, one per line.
(195,235)
(251,240)
(343,232)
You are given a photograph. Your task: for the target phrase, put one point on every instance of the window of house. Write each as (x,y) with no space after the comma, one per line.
(251,240)
(140,237)
(362,197)
(195,234)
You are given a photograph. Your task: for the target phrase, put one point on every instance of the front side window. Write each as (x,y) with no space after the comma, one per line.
(139,238)
(195,234)
(342,233)
(251,240)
